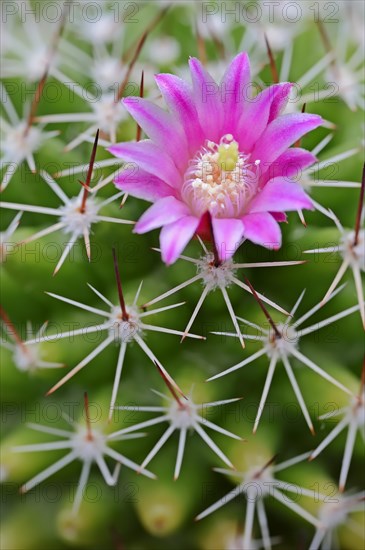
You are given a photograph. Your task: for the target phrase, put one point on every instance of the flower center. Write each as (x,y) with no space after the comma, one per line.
(220,180)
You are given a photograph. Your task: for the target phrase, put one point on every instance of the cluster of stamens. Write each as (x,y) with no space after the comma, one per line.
(220,180)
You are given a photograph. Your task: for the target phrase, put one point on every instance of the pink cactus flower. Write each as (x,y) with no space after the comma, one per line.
(219,150)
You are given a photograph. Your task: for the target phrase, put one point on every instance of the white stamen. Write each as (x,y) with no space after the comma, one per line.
(220,179)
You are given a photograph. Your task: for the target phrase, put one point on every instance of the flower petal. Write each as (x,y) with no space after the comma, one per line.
(257,114)
(289,165)
(206,98)
(262,229)
(150,158)
(280,195)
(228,234)
(279,216)
(280,100)
(142,185)
(163,212)
(161,127)
(281,133)
(179,99)
(175,236)
(233,89)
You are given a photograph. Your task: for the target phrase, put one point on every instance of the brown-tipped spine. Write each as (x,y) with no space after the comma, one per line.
(141,92)
(125,315)
(137,52)
(11,328)
(217,261)
(266,465)
(202,51)
(273,67)
(299,141)
(86,184)
(170,386)
(43,79)
(87,416)
(360,208)
(265,311)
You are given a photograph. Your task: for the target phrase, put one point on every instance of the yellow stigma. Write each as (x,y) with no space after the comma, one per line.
(228,154)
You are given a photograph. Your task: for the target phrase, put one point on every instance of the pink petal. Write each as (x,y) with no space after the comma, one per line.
(150,158)
(142,185)
(161,127)
(234,90)
(257,115)
(279,216)
(262,229)
(175,236)
(281,133)
(206,98)
(163,212)
(281,100)
(179,99)
(289,165)
(228,234)
(280,195)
